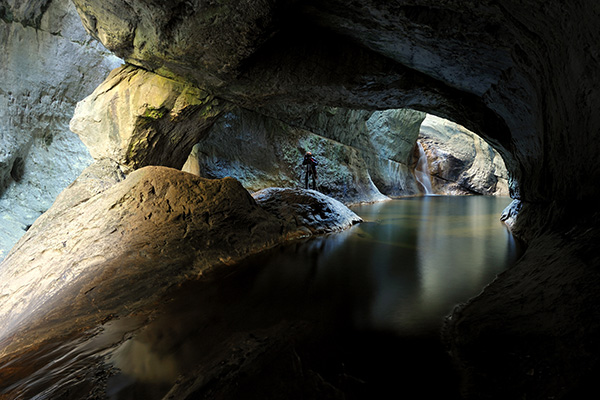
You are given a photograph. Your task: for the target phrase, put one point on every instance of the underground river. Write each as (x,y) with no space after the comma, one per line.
(373,297)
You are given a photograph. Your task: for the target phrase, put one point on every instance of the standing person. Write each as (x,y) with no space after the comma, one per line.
(311,169)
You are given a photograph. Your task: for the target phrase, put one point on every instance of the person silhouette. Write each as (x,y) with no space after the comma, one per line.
(311,169)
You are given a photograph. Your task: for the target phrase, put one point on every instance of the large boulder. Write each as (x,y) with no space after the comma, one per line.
(48,62)
(109,246)
(306,210)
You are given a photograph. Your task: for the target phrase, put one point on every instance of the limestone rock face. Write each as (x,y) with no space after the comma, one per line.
(306,209)
(177,36)
(139,118)
(460,162)
(524,74)
(48,62)
(391,136)
(363,156)
(483,70)
(385,140)
(264,152)
(123,246)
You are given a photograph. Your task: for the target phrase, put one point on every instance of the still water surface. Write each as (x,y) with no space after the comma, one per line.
(377,292)
(381,289)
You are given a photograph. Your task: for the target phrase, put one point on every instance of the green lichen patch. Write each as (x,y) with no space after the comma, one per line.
(154,113)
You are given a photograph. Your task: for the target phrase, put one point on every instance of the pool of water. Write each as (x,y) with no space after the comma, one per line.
(379,293)
(375,297)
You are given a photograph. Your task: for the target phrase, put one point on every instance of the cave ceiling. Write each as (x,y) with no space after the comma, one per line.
(485,64)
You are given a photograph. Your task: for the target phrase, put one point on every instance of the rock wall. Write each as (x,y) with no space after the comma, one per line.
(48,62)
(264,152)
(460,162)
(363,156)
(385,139)
(523,74)
(138,118)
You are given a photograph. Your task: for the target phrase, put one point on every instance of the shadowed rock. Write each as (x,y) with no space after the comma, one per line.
(307,210)
(112,245)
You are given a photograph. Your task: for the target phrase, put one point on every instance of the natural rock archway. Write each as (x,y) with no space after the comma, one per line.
(493,68)
(523,74)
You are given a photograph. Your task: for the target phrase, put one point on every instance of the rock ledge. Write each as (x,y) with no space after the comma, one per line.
(306,212)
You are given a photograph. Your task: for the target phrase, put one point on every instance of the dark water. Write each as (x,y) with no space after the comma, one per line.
(379,293)
(375,297)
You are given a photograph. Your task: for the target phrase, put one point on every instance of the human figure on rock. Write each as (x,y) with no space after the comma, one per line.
(311,169)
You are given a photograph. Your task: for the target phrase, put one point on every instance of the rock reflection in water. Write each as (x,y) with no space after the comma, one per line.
(400,271)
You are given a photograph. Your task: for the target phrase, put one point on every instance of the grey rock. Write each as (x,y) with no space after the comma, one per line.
(523,74)
(308,210)
(47,64)
(364,156)
(265,152)
(384,139)
(460,161)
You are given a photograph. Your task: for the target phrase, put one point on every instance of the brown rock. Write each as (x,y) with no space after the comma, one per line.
(116,252)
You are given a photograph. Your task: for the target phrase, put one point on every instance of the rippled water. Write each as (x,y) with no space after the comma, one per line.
(379,291)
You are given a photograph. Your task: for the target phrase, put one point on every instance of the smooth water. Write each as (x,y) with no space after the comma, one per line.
(378,293)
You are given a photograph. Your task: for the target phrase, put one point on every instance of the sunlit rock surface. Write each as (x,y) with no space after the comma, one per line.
(47,63)
(523,74)
(459,161)
(138,118)
(385,140)
(109,247)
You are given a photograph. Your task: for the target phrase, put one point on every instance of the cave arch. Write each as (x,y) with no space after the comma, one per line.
(521,73)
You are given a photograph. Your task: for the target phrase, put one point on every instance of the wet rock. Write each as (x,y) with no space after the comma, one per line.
(306,212)
(542,310)
(139,118)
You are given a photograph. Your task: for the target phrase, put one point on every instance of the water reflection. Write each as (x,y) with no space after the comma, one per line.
(402,270)
(406,266)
